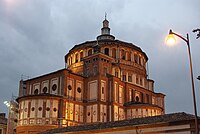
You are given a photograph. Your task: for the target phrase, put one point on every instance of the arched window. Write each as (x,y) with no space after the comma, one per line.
(129,56)
(54,87)
(79,90)
(106,51)
(136,58)
(44,90)
(124,77)
(123,54)
(89,52)
(81,55)
(71,60)
(36,91)
(76,57)
(114,53)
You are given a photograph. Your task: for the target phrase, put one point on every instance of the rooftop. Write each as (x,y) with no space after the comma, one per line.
(167,118)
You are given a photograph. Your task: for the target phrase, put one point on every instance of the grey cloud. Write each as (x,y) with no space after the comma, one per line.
(35,36)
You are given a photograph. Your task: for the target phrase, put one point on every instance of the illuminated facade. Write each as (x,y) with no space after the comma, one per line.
(104,80)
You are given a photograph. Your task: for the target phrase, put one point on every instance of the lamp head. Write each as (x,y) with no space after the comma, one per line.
(170,31)
(170,38)
(7,103)
(198,77)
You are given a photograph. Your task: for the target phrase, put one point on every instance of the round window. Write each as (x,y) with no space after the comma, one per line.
(69,87)
(45,90)
(32,109)
(40,108)
(36,91)
(79,89)
(54,109)
(54,87)
(48,109)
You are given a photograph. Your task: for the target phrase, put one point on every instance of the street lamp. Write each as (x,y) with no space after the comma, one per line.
(171,39)
(198,77)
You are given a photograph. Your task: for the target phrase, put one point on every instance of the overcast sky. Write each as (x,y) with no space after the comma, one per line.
(36,34)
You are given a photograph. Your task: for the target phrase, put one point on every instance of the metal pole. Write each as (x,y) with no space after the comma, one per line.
(193,90)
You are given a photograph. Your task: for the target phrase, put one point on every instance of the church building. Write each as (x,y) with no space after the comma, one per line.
(104,80)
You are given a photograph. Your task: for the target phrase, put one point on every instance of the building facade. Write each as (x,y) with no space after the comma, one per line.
(104,80)
(3,123)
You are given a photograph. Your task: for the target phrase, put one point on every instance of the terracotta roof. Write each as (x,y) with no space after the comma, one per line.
(167,118)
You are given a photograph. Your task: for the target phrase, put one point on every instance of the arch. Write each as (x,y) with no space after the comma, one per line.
(106,51)
(123,54)
(76,58)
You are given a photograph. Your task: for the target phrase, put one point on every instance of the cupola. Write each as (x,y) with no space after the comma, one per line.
(105,31)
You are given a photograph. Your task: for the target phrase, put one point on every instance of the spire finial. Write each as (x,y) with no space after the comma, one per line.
(105,15)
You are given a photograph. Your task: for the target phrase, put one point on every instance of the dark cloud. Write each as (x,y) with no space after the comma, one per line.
(35,36)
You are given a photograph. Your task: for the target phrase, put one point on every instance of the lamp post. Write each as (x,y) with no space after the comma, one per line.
(171,39)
